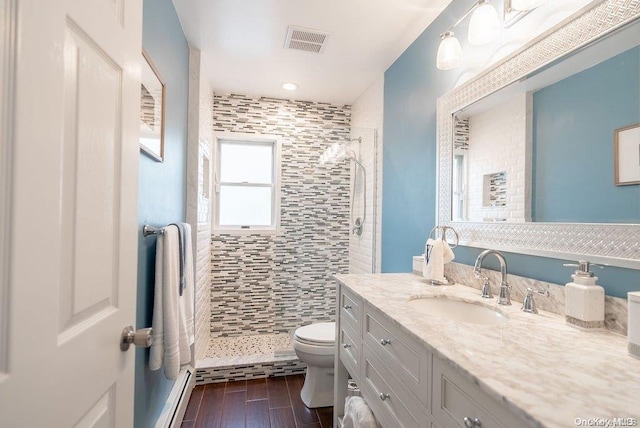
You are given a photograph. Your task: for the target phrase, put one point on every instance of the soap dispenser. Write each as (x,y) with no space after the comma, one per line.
(584,299)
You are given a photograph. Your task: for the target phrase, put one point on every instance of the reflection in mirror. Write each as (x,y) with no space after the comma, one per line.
(491,178)
(574,126)
(542,149)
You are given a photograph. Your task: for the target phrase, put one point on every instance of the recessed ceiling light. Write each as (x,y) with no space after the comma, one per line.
(289,86)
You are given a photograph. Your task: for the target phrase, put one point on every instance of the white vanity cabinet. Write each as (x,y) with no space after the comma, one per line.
(401,380)
(456,398)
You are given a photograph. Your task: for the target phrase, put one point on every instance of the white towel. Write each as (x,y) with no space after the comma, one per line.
(448,255)
(187,335)
(357,414)
(433,267)
(172,314)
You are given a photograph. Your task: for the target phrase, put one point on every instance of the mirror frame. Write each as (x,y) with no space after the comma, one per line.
(613,244)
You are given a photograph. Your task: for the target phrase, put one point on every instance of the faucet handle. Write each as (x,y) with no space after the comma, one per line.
(486,287)
(528,304)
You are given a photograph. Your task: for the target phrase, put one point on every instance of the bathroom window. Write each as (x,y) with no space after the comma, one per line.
(247,188)
(458,185)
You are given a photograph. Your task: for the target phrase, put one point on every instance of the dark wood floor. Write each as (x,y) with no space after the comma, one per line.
(273,402)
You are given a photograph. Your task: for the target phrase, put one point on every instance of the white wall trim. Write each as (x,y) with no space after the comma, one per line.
(176,404)
(7,56)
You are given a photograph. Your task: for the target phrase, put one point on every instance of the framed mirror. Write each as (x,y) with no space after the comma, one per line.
(152,110)
(526,149)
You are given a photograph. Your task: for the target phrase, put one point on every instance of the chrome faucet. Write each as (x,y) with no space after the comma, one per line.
(504,297)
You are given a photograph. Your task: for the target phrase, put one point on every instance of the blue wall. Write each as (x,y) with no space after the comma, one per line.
(412,87)
(162,186)
(573,178)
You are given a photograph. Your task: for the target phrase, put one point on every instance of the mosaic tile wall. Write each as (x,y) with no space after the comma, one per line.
(460,133)
(273,284)
(206,375)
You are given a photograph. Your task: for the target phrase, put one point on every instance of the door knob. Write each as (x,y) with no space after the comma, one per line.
(141,338)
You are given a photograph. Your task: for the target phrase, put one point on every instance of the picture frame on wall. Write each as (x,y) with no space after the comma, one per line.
(626,154)
(152,110)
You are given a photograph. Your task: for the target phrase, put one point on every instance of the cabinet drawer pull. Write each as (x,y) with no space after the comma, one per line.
(385,342)
(469,423)
(347,307)
(383,396)
(346,345)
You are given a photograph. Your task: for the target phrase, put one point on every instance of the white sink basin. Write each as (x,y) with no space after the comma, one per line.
(457,310)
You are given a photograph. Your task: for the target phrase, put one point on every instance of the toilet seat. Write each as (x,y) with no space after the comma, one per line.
(315,346)
(319,334)
(311,342)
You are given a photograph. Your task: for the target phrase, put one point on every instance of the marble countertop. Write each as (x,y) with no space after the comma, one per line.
(542,369)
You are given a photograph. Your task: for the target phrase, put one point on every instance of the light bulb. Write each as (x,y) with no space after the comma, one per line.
(289,86)
(484,26)
(526,4)
(449,52)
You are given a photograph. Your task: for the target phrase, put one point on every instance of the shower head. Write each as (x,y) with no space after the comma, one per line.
(337,152)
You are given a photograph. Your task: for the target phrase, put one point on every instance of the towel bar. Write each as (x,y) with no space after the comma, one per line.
(150,230)
(443,234)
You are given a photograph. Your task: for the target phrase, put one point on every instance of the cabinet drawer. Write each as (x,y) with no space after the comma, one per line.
(399,408)
(406,358)
(350,309)
(350,348)
(455,398)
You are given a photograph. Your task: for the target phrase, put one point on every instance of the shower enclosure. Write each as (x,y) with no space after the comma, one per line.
(263,285)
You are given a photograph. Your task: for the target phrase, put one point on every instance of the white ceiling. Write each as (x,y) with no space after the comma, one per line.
(242,43)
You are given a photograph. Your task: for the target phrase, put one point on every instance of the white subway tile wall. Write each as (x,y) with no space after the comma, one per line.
(198,213)
(498,143)
(366,122)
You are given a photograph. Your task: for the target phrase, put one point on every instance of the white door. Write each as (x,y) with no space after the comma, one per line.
(69,242)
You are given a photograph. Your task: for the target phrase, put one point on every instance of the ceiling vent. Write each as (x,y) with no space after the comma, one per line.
(304,39)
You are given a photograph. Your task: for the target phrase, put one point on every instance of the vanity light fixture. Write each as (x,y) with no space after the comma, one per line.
(289,86)
(484,27)
(449,52)
(515,10)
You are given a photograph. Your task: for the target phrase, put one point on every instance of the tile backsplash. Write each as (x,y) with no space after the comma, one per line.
(615,307)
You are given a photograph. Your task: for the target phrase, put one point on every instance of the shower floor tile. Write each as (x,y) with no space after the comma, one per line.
(257,349)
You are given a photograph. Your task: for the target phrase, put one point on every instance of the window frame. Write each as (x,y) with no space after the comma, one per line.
(249,139)
(459,194)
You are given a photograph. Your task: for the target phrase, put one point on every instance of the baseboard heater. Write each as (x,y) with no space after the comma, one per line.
(176,405)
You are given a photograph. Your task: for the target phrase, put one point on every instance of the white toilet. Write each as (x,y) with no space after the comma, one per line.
(314,345)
